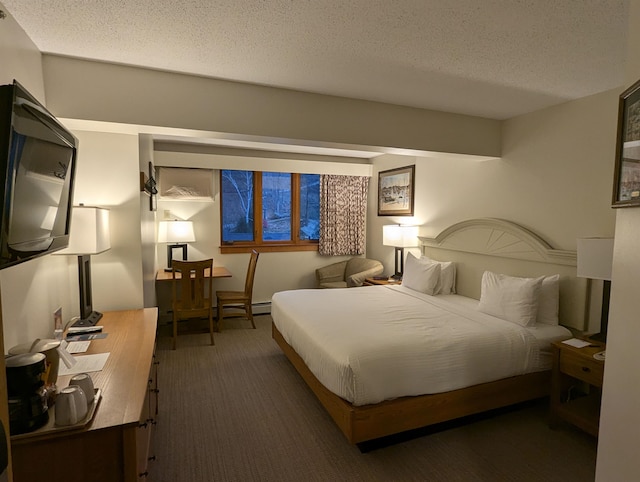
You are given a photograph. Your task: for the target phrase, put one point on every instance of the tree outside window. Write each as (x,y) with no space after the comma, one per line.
(289,207)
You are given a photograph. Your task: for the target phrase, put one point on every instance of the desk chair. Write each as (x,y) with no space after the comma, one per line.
(191,296)
(238,302)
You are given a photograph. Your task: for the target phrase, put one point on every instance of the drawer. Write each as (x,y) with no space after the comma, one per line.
(582,367)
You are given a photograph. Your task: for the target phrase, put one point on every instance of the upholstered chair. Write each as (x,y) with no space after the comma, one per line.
(347,274)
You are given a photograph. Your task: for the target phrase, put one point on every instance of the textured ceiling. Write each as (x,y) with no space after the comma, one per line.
(490,58)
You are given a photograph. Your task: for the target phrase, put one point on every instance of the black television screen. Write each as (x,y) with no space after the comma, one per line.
(37,165)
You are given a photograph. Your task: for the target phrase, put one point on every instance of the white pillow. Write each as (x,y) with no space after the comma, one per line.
(420,275)
(447,281)
(549,301)
(510,298)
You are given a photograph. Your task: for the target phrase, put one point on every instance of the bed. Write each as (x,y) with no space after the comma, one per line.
(362,350)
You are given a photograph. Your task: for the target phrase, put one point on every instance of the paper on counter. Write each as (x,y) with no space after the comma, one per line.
(85,364)
(576,342)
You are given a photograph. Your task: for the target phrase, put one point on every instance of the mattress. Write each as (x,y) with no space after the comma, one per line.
(377,343)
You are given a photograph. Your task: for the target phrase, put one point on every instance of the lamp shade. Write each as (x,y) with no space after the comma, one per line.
(399,236)
(176,232)
(595,258)
(89,231)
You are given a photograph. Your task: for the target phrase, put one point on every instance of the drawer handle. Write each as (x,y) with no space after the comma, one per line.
(586,369)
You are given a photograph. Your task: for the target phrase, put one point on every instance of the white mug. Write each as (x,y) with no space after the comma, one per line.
(84,381)
(71,406)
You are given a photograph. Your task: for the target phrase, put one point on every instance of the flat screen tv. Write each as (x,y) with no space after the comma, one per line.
(37,170)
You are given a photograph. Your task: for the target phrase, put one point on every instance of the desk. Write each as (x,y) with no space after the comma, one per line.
(115,445)
(218,272)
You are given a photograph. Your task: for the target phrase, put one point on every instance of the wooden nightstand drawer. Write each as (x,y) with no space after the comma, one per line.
(582,367)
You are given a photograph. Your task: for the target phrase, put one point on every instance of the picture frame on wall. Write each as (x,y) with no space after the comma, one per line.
(396,191)
(626,186)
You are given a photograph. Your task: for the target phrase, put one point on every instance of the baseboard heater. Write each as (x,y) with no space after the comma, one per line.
(261,308)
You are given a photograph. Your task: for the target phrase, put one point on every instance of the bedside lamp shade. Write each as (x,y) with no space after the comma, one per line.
(176,234)
(595,261)
(399,237)
(595,258)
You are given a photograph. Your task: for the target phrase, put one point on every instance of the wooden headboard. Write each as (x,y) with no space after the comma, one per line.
(489,244)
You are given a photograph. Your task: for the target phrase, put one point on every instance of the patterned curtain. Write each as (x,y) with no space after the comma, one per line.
(343,209)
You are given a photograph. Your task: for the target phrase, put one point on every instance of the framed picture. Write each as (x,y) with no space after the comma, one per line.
(626,186)
(396,191)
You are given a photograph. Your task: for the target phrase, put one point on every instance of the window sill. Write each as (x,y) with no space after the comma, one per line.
(268,248)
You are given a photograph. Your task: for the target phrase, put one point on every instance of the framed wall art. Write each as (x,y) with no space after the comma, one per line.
(626,185)
(396,191)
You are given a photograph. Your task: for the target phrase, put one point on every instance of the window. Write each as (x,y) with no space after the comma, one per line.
(288,207)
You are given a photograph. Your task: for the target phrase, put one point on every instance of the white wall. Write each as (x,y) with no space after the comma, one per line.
(620,418)
(554,179)
(82,89)
(30,291)
(108,176)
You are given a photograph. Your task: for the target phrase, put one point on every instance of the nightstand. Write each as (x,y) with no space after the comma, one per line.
(378,282)
(576,385)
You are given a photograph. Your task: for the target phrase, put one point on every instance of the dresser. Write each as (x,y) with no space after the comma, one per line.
(117,444)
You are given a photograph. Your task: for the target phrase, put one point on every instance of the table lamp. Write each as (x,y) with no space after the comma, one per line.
(595,260)
(89,235)
(177,234)
(399,236)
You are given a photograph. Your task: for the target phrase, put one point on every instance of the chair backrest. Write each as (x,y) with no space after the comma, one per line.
(251,272)
(358,265)
(191,278)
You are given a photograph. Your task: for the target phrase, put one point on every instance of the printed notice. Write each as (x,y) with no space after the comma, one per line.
(577,343)
(85,364)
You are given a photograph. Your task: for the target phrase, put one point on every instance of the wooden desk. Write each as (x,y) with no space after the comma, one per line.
(115,445)
(218,272)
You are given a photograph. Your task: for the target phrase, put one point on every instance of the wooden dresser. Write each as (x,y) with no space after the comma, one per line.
(116,445)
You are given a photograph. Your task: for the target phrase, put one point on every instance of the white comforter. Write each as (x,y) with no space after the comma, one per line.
(377,343)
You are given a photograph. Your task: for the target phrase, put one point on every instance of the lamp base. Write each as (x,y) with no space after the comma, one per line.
(90,320)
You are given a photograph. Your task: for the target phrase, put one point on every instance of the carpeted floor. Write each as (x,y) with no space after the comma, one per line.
(238,411)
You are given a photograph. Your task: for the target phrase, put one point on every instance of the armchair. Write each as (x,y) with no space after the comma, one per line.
(347,274)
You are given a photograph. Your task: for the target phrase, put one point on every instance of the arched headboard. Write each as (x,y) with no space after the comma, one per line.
(490,244)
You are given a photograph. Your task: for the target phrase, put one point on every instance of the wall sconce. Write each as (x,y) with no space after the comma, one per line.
(400,237)
(177,234)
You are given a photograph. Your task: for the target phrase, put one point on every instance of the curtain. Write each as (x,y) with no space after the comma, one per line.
(343,209)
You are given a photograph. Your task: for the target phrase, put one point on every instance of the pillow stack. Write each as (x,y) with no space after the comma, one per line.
(429,276)
(525,301)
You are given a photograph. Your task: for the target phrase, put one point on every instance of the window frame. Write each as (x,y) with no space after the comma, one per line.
(295,244)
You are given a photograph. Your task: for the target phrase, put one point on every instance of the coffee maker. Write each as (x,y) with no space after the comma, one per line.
(27,396)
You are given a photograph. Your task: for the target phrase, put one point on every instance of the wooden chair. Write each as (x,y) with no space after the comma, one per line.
(238,302)
(192,293)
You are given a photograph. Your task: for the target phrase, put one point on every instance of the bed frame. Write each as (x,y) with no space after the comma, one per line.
(475,245)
